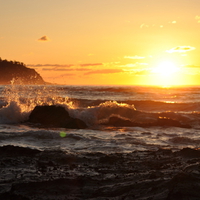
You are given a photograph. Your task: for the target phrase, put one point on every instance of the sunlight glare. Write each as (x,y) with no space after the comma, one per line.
(166,74)
(166,68)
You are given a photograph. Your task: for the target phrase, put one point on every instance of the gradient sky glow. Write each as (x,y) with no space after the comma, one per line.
(104,41)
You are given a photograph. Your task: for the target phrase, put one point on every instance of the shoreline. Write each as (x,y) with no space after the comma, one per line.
(33,174)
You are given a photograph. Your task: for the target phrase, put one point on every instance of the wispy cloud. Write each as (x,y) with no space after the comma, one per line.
(181,49)
(137,71)
(135,65)
(49,65)
(104,71)
(43,38)
(142,73)
(134,57)
(90,64)
(56,69)
(65,67)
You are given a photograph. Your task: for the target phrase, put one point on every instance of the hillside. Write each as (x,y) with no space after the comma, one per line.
(17,73)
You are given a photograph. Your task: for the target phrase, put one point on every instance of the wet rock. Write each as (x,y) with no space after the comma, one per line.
(189,153)
(55,116)
(11,150)
(184,186)
(56,174)
(120,122)
(117,121)
(169,122)
(10,196)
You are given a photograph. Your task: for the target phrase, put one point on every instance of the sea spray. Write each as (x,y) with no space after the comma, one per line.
(11,114)
(93,112)
(94,115)
(20,100)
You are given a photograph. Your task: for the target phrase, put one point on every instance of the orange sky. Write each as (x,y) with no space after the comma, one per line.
(104,41)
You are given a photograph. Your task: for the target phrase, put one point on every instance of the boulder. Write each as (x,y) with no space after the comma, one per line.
(119,122)
(55,116)
(165,122)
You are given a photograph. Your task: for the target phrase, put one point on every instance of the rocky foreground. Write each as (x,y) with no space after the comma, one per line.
(27,174)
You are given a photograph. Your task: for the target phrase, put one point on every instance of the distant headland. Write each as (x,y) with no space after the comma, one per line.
(14,72)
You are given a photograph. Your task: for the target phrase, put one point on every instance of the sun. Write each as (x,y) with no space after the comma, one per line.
(166,68)
(165,74)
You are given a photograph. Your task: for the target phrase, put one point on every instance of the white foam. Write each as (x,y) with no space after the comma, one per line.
(12,114)
(93,115)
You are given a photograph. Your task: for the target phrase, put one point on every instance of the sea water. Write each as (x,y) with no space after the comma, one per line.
(94,105)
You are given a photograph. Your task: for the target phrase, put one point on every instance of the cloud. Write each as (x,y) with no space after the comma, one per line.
(142,73)
(56,69)
(135,65)
(49,65)
(65,69)
(197,18)
(138,72)
(68,69)
(43,38)
(90,64)
(65,65)
(134,57)
(181,49)
(104,71)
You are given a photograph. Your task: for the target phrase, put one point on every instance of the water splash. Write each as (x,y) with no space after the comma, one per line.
(22,99)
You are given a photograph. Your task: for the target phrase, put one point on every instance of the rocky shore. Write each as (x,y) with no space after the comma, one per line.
(30,174)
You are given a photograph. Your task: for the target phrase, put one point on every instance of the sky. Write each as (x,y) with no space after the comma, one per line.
(104,42)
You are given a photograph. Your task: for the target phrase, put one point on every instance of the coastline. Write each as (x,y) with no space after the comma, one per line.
(32,174)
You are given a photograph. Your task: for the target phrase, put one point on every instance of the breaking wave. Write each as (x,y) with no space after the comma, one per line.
(17,102)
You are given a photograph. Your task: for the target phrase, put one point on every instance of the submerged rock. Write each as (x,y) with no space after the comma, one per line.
(170,122)
(55,116)
(120,122)
(117,121)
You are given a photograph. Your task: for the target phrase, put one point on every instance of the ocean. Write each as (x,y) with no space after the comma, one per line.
(114,146)
(94,104)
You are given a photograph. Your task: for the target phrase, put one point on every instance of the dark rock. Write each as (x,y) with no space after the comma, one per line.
(75,123)
(118,122)
(184,186)
(169,122)
(189,153)
(49,115)
(10,196)
(55,116)
(11,150)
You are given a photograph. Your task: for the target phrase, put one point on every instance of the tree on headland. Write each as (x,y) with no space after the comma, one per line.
(17,72)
